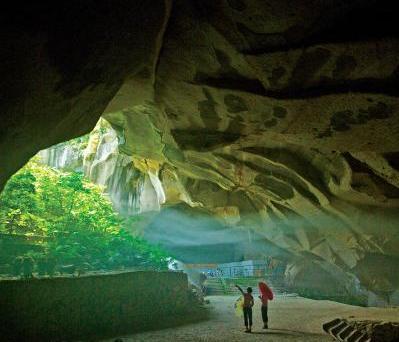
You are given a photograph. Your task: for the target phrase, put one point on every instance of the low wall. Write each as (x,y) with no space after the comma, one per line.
(97,305)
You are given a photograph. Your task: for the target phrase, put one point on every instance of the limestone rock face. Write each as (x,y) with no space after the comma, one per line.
(268,116)
(275,117)
(132,189)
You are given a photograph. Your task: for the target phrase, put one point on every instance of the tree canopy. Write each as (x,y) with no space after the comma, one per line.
(72,223)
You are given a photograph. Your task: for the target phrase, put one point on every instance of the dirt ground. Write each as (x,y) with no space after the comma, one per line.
(290,319)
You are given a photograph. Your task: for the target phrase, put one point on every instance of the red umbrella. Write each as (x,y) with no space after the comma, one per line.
(265,290)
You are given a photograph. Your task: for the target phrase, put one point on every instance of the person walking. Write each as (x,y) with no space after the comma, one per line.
(247,308)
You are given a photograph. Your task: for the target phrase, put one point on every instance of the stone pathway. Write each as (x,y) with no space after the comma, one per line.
(291,319)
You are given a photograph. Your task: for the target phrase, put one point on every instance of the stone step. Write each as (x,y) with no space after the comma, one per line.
(342,331)
(215,286)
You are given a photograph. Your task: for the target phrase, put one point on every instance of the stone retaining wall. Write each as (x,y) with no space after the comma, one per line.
(97,305)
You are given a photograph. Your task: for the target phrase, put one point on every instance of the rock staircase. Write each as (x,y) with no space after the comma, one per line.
(362,331)
(225,286)
(215,287)
(342,331)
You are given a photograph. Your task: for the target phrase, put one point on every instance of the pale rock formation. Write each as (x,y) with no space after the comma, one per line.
(131,190)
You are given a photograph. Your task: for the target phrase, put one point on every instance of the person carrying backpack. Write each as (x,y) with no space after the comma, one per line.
(247,307)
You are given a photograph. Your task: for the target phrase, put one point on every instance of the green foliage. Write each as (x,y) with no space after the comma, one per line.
(72,221)
(77,144)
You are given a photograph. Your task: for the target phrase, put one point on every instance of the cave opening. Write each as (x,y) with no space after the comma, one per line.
(55,222)
(214,144)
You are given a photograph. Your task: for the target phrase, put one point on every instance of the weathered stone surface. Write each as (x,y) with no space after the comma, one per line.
(277,117)
(132,184)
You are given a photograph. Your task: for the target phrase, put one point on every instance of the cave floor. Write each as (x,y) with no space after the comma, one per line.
(290,319)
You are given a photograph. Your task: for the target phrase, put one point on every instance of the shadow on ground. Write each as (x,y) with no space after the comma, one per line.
(196,315)
(281,332)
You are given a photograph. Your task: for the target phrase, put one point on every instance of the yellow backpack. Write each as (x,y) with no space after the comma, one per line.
(238,305)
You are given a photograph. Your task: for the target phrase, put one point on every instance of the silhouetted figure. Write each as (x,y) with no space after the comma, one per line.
(266,294)
(202,279)
(247,307)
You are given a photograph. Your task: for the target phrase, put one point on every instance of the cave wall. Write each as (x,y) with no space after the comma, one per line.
(61,64)
(281,118)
